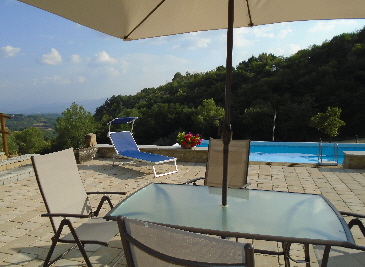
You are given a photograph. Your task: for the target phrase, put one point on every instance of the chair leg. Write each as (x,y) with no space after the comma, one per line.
(326,254)
(307,256)
(59,257)
(57,237)
(286,250)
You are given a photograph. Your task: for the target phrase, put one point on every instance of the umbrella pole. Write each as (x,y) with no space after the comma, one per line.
(227,132)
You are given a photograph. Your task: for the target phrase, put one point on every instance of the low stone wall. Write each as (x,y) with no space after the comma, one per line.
(187,155)
(3,156)
(354,160)
(15,162)
(85,154)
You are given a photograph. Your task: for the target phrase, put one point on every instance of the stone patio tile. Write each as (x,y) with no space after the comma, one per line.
(3,257)
(267,260)
(295,189)
(34,250)
(60,248)
(5,239)
(8,225)
(67,262)
(332,196)
(26,216)
(310,190)
(17,232)
(44,240)
(20,258)
(105,255)
(344,188)
(9,215)
(34,263)
(266,245)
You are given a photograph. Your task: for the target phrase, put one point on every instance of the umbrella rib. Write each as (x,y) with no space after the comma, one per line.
(249,14)
(148,15)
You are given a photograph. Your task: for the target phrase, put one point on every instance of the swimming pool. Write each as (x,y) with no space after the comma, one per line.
(299,152)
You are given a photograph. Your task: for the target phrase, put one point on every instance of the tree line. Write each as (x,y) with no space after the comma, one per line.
(316,93)
(267,91)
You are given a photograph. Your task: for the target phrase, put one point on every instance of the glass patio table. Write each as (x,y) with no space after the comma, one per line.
(256,214)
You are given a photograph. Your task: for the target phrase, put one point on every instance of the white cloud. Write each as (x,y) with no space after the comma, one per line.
(113,71)
(156,41)
(103,58)
(5,83)
(293,48)
(55,79)
(81,79)
(286,50)
(324,26)
(192,41)
(277,51)
(9,51)
(283,33)
(141,63)
(53,58)
(202,42)
(241,41)
(263,32)
(239,37)
(75,59)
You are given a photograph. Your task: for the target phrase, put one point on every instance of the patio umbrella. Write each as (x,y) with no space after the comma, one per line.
(137,19)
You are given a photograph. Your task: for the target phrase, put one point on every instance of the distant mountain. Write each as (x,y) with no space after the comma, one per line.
(59,107)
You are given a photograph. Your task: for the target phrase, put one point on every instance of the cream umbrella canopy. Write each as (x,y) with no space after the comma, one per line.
(138,19)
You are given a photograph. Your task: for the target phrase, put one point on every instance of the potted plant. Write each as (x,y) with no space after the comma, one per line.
(188,140)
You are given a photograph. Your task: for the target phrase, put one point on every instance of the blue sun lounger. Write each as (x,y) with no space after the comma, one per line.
(125,147)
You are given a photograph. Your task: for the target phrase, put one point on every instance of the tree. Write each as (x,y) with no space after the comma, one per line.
(259,119)
(207,117)
(12,145)
(162,121)
(328,122)
(31,141)
(72,127)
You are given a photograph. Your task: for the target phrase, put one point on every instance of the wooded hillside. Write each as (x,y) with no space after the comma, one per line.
(295,87)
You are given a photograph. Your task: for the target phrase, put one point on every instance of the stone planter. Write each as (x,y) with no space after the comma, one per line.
(187,146)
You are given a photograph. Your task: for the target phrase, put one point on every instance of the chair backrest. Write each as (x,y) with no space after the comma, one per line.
(60,184)
(123,141)
(147,244)
(238,161)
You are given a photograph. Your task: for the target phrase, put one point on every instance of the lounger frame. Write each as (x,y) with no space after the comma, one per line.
(130,150)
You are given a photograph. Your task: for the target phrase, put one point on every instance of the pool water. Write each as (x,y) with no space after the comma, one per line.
(299,152)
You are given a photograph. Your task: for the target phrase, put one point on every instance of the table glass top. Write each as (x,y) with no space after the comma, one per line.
(248,211)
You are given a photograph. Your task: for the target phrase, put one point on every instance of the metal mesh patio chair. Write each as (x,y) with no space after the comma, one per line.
(65,199)
(238,161)
(147,244)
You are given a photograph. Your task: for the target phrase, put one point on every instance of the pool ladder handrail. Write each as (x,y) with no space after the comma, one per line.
(320,154)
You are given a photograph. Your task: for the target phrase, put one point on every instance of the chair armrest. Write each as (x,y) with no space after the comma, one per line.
(245,186)
(66,215)
(106,193)
(194,181)
(360,247)
(352,214)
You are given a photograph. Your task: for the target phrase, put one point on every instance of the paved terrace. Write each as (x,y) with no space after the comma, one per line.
(25,236)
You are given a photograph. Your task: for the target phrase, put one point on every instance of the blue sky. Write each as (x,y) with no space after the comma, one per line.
(46,59)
